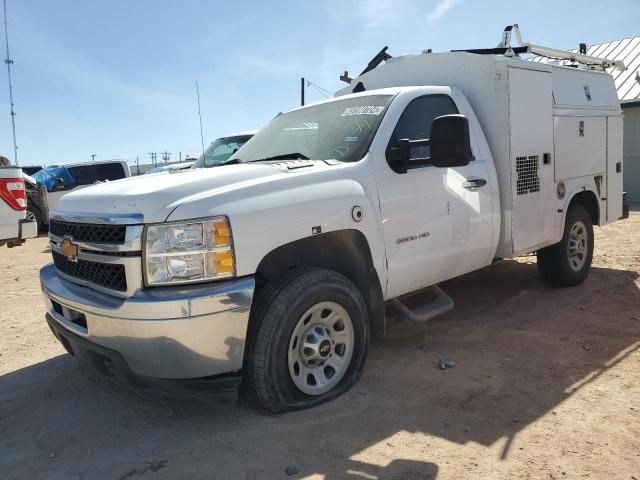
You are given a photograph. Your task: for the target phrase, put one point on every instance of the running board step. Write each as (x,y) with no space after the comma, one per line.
(413,306)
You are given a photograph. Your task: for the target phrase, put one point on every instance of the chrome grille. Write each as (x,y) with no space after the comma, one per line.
(107,275)
(87,232)
(108,251)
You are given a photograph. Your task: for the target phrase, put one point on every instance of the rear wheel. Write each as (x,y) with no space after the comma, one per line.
(567,263)
(307,342)
(34,214)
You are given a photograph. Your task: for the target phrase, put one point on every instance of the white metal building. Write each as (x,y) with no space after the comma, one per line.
(628,87)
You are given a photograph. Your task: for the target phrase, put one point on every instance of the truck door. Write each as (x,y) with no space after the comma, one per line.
(437,222)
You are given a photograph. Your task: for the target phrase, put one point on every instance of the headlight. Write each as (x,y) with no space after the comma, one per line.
(188,251)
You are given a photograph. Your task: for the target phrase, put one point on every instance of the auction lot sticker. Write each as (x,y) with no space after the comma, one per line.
(363,110)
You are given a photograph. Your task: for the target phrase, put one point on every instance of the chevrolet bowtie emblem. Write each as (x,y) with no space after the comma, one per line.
(69,250)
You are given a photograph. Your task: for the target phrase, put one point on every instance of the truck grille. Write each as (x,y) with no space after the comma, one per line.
(107,275)
(87,232)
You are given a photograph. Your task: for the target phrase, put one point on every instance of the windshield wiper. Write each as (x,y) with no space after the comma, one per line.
(284,156)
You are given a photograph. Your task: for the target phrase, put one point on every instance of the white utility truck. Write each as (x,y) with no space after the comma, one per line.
(14,227)
(272,272)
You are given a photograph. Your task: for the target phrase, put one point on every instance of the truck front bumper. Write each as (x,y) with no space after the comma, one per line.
(180,336)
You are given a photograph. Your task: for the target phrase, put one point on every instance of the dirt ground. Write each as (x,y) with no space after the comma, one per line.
(546,385)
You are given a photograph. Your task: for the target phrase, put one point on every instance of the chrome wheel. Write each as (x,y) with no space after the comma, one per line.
(578,246)
(320,348)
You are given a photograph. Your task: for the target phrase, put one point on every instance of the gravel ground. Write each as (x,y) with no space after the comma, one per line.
(546,384)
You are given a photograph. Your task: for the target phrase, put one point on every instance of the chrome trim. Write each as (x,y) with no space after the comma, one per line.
(170,332)
(132,242)
(98,218)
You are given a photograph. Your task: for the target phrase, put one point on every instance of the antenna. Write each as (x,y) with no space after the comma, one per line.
(9,62)
(199,115)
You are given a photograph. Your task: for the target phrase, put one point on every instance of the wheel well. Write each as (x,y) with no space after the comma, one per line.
(346,252)
(589,201)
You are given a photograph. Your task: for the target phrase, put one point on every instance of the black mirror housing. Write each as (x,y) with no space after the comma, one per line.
(59,184)
(398,155)
(450,141)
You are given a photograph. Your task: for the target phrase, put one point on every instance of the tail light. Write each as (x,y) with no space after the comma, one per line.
(13,192)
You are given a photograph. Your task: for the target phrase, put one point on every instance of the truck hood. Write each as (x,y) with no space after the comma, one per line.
(156,196)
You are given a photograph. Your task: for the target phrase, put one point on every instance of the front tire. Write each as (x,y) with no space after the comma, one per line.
(307,341)
(567,263)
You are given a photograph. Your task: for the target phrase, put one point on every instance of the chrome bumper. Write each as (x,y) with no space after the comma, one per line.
(164,333)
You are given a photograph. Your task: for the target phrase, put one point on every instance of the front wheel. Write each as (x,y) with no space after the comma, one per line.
(567,263)
(307,341)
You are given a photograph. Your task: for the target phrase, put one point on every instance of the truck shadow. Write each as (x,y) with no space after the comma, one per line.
(520,350)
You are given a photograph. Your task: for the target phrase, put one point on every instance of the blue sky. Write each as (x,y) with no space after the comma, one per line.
(118,78)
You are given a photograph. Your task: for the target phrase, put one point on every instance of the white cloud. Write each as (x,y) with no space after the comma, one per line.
(441,10)
(369,14)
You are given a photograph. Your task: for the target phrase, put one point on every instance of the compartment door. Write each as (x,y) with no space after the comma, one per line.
(531,158)
(614,168)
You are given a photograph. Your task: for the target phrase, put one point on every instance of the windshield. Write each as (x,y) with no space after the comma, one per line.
(340,130)
(220,150)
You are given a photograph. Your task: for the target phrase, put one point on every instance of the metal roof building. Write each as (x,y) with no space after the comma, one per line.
(628,87)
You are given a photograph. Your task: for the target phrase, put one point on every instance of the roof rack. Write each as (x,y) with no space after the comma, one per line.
(505,48)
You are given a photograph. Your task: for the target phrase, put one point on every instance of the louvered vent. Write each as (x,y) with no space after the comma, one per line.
(527,170)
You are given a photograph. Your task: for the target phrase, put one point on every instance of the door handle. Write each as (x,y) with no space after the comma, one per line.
(474,184)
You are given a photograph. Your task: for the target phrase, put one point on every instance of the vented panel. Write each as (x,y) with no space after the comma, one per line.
(86,232)
(104,274)
(527,170)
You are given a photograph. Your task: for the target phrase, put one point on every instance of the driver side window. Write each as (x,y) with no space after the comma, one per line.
(415,121)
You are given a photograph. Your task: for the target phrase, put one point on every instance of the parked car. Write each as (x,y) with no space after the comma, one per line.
(54,182)
(174,167)
(14,227)
(272,272)
(222,148)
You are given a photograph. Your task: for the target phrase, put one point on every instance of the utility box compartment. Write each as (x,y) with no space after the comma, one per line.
(544,124)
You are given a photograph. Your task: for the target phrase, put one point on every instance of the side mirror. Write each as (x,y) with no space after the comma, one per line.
(398,155)
(450,143)
(58,184)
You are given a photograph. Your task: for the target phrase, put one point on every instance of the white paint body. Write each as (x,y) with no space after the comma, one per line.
(515,108)
(52,198)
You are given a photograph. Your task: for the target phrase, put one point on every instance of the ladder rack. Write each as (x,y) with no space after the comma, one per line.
(505,48)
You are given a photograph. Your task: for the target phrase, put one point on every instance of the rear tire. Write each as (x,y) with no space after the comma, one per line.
(34,214)
(567,263)
(307,341)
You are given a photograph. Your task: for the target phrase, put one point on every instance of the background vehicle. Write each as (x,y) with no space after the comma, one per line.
(222,148)
(31,169)
(14,228)
(175,167)
(273,271)
(54,182)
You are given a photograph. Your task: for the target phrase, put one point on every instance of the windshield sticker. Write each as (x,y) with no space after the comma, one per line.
(350,139)
(363,110)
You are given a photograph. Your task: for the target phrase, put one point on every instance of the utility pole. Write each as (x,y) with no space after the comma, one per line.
(138,165)
(180,156)
(302,91)
(93,157)
(153,158)
(166,156)
(9,62)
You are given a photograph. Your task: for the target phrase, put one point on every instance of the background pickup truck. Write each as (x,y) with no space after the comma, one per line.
(273,271)
(14,228)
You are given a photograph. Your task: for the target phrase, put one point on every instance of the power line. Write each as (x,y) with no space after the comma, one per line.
(9,62)
(326,93)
